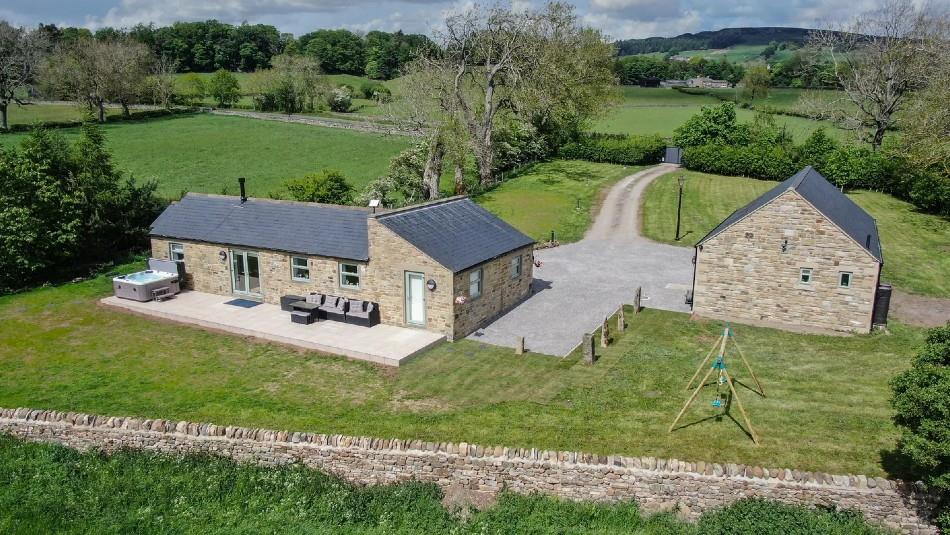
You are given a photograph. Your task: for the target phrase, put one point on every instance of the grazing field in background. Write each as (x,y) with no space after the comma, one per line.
(60,350)
(557,195)
(916,245)
(206,153)
(659,111)
(36,113)
(737,54)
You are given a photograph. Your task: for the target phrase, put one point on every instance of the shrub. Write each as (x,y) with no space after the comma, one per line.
(773,162)
(328,186)
(375,91)
(224,87)
(516,143)
(755,515)
(922,412)
(624,150)
(340,99)
(713,124)
(931,192)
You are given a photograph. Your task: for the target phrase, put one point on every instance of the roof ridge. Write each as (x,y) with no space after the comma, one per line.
(281,201)
(421,206)
(801,176)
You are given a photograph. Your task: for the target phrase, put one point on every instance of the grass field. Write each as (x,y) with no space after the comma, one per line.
(38,113)
(916,245)
(557,195)
(206,153)
(659,111)
(59,350)
(139,492)
(736,54)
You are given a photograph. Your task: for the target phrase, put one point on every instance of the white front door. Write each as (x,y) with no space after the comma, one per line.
(415,298)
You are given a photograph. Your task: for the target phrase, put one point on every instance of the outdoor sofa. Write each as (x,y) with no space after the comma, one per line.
(335,308)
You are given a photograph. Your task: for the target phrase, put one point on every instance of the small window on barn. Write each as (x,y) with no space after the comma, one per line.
(176,252)
(844,279)
(299,269)
(805,276)
(516,267)
(350,276)
(475,284)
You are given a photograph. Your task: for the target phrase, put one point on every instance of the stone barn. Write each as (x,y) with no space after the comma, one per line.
(801,256)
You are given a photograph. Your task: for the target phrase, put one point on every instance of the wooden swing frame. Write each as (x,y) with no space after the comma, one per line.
(721,356)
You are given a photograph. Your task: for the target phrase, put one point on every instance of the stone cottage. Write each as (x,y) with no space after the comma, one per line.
(803,255)
(448,266)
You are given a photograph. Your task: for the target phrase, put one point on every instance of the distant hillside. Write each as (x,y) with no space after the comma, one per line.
(724,38)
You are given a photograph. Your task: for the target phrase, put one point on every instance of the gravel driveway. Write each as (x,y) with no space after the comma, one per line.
(581,283)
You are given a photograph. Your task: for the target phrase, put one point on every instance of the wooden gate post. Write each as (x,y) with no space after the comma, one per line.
(605,333)
(636,300)
(519,345)
(621,321)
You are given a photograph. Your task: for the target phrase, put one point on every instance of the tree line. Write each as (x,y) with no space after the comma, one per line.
(211,45)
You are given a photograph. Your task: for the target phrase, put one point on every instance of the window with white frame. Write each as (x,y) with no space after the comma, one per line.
(516,267)
(299,268)
(475,284)
(804,276)
(176,252)
(844,279)
(349,276)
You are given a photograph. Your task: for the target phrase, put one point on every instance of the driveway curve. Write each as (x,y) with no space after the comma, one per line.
(581,283)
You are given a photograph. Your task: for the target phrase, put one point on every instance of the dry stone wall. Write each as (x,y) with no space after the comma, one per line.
(656,484)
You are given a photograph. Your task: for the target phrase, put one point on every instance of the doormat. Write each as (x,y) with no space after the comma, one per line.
(243,303)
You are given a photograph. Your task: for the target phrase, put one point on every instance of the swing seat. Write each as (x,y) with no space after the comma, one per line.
(717,403)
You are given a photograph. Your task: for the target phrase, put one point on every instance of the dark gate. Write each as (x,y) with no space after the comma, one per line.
(673,155)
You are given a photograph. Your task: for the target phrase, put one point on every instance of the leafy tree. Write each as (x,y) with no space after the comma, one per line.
(21,51)
(224,87)
(340,99)
(338,51)
(922,412)
(816,150)
(756,82)
(65,208)
(193,88)
(713,124)
(403,183)
(328,186)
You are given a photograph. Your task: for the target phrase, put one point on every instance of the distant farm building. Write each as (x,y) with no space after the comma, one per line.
(803,255)
(709,83)
(673,83)
(650,82)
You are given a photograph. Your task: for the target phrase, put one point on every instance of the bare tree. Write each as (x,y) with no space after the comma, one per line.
(21,52)
(538,65)
(129,64)
(162,84)
(878,61)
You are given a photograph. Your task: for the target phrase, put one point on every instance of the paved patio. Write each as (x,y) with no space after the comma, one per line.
(382,344)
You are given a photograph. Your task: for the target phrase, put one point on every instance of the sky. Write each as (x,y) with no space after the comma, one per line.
(618,19)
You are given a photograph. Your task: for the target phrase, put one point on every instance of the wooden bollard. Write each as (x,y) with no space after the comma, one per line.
(621,321)
(519,346)
(636,300)
(588,348)
(605,333)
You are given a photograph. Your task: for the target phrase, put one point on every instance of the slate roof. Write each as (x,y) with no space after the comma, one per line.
(294,227)
(824,196)
(456,232)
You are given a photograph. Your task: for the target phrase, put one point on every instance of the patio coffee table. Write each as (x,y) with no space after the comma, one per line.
(310,308)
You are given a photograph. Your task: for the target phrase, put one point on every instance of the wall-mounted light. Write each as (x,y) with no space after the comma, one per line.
(223,255)
(430,284)
(785,246)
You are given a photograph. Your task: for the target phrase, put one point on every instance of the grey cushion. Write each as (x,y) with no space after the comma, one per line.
(365,309)
(316,298)
(356,305)
(333,303)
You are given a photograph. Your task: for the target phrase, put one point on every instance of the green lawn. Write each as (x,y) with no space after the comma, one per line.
(558,195)
(59,350)
(38,113)
(141,492)
(916,245)
(206,153)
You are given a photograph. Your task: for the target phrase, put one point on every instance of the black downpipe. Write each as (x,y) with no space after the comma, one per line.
(243,194)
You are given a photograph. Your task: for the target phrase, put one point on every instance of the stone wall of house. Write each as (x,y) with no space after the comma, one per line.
(742,274)
(392,257)
(500,290)
(207,272)
(656,484)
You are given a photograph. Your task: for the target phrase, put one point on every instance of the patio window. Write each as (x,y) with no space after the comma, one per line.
(299,269)
(176,252)
(805,276)
(475,284)
(516,267)
(349,276)
(844,279)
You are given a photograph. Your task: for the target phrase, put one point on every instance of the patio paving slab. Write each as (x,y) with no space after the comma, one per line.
(383,344)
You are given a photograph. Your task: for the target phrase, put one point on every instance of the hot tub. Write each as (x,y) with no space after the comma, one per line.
(139,286)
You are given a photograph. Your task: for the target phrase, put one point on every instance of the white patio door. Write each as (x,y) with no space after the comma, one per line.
(415,298)
(245,273)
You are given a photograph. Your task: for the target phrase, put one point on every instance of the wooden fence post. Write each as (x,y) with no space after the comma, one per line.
(519,346)
(636,300)
(588,348)
(605,333)
(621,321)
